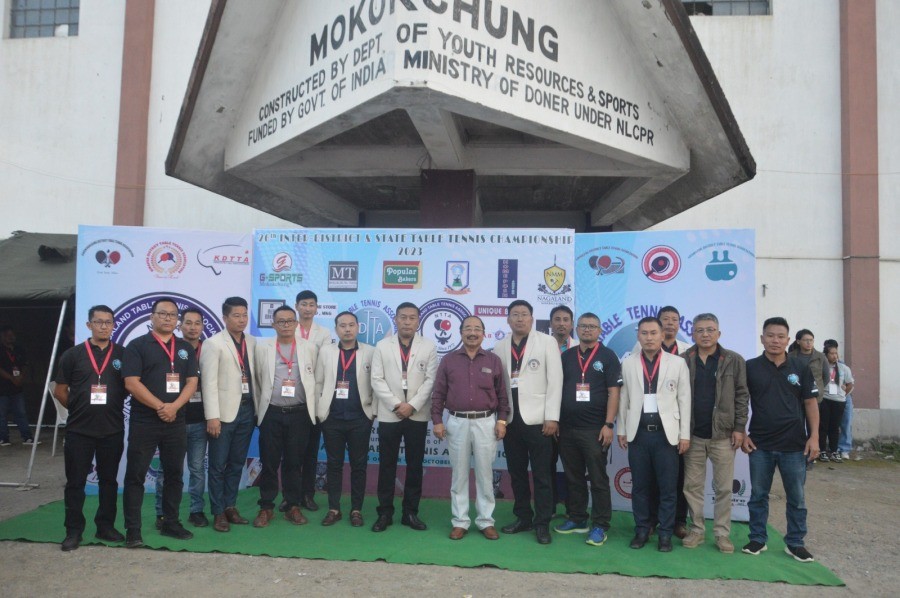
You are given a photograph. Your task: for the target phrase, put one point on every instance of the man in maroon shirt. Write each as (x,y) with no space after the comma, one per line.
(469,383)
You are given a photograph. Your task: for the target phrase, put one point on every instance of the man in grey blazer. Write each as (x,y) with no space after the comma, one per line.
(655,427)
(533,374)
(344,408)
(403,369)
(226,371)
(284,392)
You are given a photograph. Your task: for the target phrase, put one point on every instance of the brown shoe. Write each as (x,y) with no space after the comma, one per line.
(490,533)
(356,519)
(723,543)
(680,531)
(264,517)
(331,517)
(693,540)
(220,524)
(458,532)
(234,517)
(295,516)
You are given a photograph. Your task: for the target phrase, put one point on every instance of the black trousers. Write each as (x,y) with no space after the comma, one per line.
(830,415)
(680,500)
(581,451)
(143,440)
(412,433)
(351,436)
(310,461)
(526,444)
(651,457)
(80,452)
(283,435)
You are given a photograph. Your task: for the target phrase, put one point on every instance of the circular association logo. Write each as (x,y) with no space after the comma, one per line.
(166,259)
(534,364)
(374,322)
(598,366)
(661,263)
(282,262)
(623,482)
(441,320)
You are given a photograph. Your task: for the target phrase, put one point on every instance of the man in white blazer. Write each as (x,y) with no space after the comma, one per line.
(345,410)
(307,306)
(284,392)
(655,427)
(533,374)
(403,371)
(226,372)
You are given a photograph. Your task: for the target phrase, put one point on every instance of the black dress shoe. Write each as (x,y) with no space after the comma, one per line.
(71,542)
(109,535)
(382,523)
(665,544)
(133,538)
(159,521)
(198,520)
(638,541)
(542,532)
(518,526)
(174,529)
(412,521)
(309,503)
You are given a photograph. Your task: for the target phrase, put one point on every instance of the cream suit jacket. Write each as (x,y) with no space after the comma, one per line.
(387,378)
(540,377)
(220,375)
(673,397)
(264,375)
(326,378)
(318,336)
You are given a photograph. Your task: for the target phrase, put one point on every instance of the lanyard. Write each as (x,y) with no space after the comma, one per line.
(241,354)
(647,375)
(584,363)
(517,357)
(674,349)
(288,362)
(199,346)
(833,373)
(345,365)
(404,355)
(304,334)
(170,353)
(98,371)
(12,358)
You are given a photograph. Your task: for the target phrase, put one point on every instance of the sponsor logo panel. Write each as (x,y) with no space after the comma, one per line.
(401,275)
(441,321)
(343,277)
(166,259)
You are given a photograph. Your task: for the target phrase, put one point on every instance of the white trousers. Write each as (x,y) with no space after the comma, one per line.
(467,438)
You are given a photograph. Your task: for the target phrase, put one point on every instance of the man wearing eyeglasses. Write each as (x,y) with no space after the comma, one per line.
(226,368)
(89,384)
(285,393)
(160,372)
(718,420)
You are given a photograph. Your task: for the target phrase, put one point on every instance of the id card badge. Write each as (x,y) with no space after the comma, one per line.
(196,397)
(650,404)
(582,392)
(16,372)
(245,385)
(514,379)
(288,388)
(832,388)
(98,394)
(342,390)
(403,382)
(173,384)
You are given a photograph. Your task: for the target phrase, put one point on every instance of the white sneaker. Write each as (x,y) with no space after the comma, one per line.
(31,442)
(5,443)
(845,455)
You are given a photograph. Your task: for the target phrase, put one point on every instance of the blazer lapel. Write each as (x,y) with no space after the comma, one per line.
(229,342)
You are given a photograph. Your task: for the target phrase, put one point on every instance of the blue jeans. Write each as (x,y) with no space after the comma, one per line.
(16,404)
(196,461)
(227,456)
(792,466)
(845,442)
(651,458)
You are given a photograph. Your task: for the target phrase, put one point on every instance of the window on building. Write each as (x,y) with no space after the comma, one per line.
(43,18)
(718,8)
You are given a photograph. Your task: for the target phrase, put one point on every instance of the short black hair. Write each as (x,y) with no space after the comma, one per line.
(408,305)
(776,321)
(163,300)
(307,294)
(192,310)
(649,319)
(480,321)
(803,332)
(562,308)
(345,313)
(519,302)
(830,343)
(590,315)
(667,309)
(283,308)
(105,309)
(233,302)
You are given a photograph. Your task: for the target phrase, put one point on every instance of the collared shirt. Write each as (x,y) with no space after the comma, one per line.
(148,361)
(703,395)
(351,407)
(193,413)
(241,348)
(777,395)
(516,366)
(653,370)
(469,384)
(673,348)
(281,374)
(77,372)
(603,372)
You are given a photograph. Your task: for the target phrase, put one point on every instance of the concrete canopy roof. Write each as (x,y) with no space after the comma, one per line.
(364,153)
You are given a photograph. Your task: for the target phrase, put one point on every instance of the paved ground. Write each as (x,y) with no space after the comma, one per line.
(854,510)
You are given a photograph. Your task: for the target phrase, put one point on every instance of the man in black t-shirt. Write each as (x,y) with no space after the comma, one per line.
(13,367)
(160,372)
(784,432)
(592,377)
(89,384)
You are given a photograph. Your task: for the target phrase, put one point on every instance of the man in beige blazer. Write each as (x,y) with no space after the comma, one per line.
(307,306)
(655,427)
(345,410)
(226,371)
(403,371)
(533,374)
(284,392)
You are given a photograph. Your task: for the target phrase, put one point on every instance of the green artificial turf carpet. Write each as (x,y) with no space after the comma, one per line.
(399,544)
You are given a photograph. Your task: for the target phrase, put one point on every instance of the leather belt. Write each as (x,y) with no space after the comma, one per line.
(653,427)
(472,414)
(288,409)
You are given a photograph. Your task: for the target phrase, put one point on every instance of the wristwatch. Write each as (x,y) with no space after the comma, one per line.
(610,425)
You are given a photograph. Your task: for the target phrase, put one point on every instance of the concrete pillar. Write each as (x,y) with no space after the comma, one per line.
(449,199)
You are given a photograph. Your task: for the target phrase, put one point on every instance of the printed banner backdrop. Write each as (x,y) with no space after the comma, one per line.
(449,274)
(128,268)
(623,277)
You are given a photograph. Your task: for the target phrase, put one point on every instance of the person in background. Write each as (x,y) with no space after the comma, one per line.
(838,384)
(13,367)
